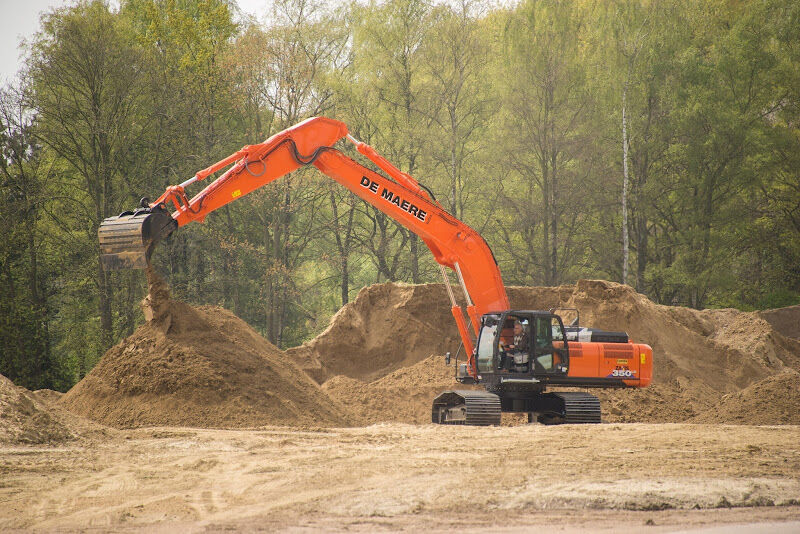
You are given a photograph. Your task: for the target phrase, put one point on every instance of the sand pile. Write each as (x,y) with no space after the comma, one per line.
(198,367)
(784,320)
(205,367)
(26,419)
(774,400)
(402,396)
(388,326)
(699,355)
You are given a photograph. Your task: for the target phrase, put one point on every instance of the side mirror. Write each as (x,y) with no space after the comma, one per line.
(447,359)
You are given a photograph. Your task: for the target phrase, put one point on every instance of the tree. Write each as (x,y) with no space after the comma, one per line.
(303,46)
(456,62)
(89,99)
(186,46)
(727,91)
(547,110)
(389,41)
(26,356)
(646,38)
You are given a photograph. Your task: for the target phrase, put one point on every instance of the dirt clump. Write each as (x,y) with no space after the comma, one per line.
(771,401)
(26,419)
(201,367)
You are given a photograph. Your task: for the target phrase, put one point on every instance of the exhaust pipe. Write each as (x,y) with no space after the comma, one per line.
(127,241)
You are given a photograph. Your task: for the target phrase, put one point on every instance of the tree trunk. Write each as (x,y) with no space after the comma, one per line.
(345,282)
(554,219)
(641,252)
(546,221)
(104,306)
(414,245)
(624,187)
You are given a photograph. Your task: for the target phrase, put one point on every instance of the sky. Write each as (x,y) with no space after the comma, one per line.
(19,19)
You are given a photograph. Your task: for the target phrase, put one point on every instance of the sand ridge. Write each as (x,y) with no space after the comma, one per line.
(772,401)
(25,419)
(36,418)
(386,327)
(699,355)
(380,360)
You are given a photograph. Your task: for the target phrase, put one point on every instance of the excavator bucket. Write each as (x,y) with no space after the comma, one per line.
(128,240)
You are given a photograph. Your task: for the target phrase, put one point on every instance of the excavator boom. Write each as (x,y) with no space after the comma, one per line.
(128,240)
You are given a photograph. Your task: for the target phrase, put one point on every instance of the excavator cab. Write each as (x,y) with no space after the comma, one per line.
(522,344)
(518,354)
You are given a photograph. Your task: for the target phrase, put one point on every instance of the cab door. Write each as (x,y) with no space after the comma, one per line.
(551,353)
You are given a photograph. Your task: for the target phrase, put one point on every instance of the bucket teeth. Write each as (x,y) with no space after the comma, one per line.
(128,240)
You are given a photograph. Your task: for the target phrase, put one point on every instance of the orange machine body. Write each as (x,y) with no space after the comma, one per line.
(630,362)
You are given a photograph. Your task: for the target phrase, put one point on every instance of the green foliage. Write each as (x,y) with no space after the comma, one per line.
(511,115)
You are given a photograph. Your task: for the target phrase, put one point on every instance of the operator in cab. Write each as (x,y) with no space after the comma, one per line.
(517,352)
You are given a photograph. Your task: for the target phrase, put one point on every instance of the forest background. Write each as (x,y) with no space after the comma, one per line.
(655,143)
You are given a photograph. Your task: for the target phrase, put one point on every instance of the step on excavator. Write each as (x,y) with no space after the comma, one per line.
(517,355)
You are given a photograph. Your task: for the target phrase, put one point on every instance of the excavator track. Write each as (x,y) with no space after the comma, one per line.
(570,407)
(466,407)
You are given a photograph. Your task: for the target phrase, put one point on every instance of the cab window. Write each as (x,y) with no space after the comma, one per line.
(486,346)
(544,333)
(544,343)
(557,330)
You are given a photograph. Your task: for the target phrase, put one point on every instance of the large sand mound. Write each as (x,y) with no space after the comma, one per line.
(387,326)
(699,355)
(199,367)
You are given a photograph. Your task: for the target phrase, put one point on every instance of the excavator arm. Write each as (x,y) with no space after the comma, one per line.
(127,241)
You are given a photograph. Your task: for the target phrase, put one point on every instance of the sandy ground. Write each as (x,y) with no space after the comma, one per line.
(613,477)
(645,470)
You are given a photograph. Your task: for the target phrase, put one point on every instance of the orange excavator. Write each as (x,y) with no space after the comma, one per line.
(517,354)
